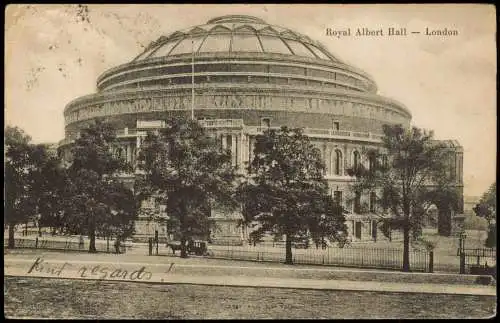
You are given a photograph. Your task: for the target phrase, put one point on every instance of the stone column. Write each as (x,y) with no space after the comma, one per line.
(133,155)
(223,138)
(328,160)
(127,152)
(250,149)
(460,168)
(234,152)
(241,155)
(138,145)
(244,151)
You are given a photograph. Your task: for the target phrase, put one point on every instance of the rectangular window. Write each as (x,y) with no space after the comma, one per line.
(358,230)
(336,125)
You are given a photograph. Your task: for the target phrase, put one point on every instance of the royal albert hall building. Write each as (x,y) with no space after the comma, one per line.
(248,75)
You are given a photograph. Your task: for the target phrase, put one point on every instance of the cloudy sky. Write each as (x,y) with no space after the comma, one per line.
(54,53)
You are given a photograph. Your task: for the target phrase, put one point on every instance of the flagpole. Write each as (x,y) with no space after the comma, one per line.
(192,78)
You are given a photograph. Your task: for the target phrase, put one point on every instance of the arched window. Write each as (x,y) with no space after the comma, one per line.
(356,159)
(371,162)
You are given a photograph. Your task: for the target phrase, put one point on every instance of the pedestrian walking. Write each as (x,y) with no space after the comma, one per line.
(117,245)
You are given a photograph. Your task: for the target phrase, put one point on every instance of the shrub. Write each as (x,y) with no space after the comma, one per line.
(491,240)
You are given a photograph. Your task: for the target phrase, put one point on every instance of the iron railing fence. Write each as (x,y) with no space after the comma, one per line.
(482,259)
(349,256)
(67,245)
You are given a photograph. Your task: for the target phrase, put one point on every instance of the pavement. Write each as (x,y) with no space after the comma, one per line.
(186,271)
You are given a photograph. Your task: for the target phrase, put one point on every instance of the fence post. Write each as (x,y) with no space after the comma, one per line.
(36,242)
(431,261)
(150,245)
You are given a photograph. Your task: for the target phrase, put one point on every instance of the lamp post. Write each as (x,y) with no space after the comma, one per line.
(462,241)
(462,252)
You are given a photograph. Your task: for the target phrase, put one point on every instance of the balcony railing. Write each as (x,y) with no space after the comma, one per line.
(126,132)
(144,124)
(222,123)
(238,123)
(322,132)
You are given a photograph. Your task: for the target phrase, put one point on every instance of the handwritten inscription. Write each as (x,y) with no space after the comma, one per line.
(101,271)
(40,266)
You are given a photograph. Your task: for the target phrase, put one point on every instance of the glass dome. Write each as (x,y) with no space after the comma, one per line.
(233,34)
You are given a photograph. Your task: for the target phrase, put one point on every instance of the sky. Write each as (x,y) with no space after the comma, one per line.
(54,54)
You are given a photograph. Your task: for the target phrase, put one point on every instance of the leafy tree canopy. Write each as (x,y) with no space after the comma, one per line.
(187,170)
(286,192)
(98,202)
(410,173)
(487,206)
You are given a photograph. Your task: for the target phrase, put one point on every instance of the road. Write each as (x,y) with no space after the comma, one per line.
(173,270)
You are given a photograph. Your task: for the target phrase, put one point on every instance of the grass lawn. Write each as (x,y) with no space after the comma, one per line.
(53,298)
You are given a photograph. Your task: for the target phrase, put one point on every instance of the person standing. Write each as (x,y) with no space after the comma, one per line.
(80,242)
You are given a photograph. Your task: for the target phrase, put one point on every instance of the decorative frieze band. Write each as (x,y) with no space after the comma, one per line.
(236,101)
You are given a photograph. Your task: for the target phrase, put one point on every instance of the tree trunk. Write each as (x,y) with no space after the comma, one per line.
(92,248)
(11,244)
(117,245)
(184,253)
(183,246)
(406,248)
(288,250)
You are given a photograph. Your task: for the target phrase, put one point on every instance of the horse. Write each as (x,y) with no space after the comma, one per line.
(174,247)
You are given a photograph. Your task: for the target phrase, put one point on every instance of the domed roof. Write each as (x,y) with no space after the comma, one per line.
(236,33)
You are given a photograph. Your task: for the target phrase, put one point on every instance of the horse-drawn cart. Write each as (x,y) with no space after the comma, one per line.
(196,247)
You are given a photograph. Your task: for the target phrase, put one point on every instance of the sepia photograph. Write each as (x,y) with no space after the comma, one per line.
(241,161)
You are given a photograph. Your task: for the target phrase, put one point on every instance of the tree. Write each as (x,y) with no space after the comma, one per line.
(410,174)
(98,202)
(286,192)
(189,173)
(52,183)
(487,208)
(330,223)
(23,161)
